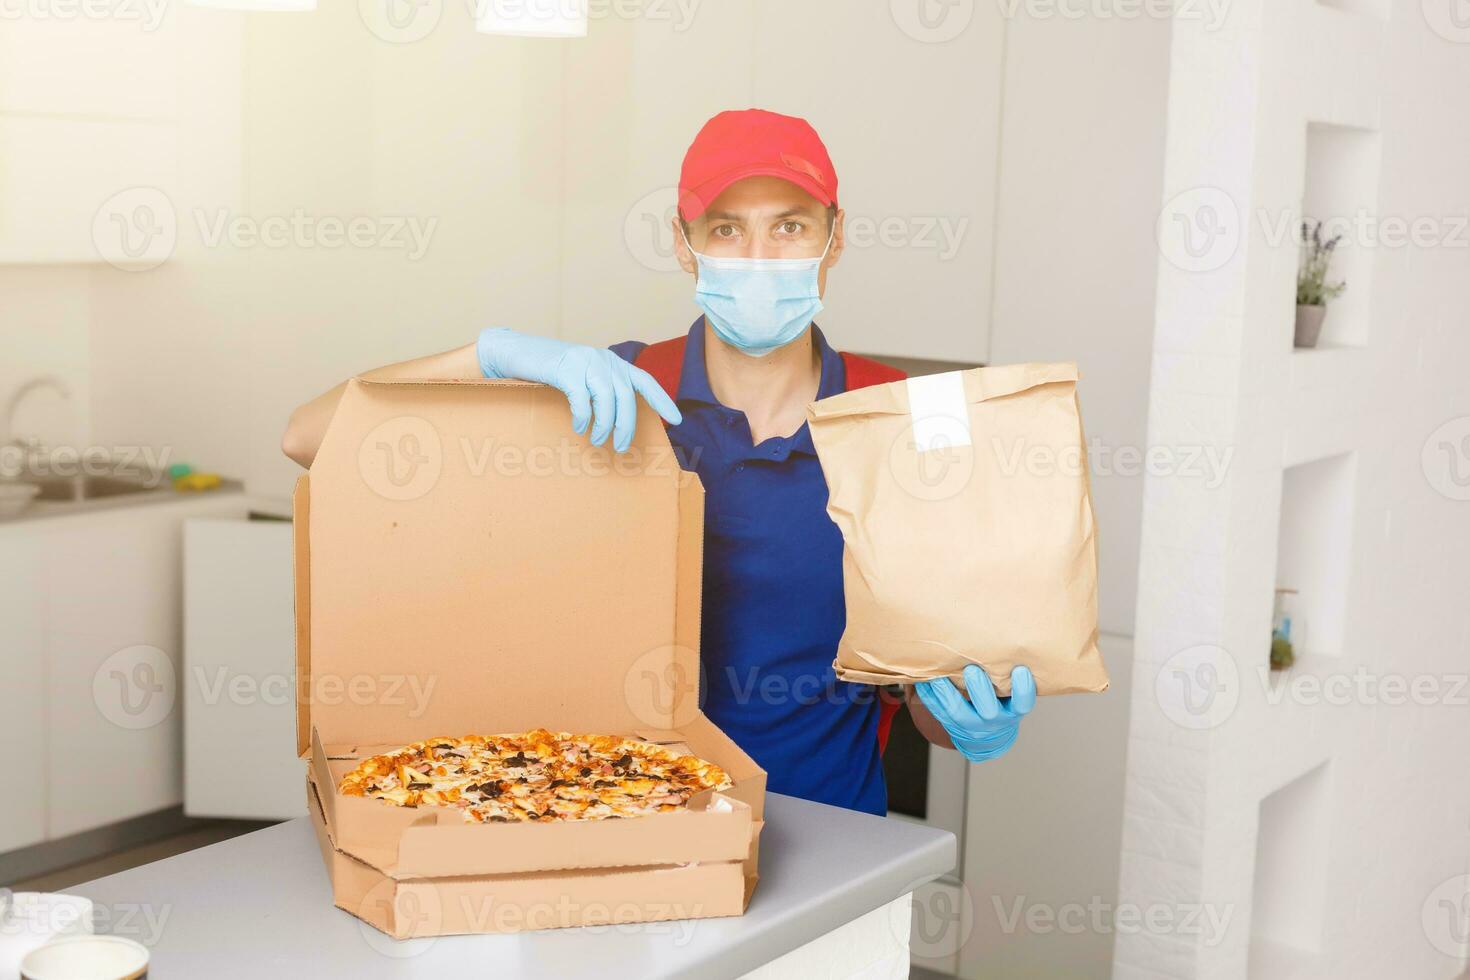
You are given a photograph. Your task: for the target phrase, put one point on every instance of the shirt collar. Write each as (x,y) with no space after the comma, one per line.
(694,378)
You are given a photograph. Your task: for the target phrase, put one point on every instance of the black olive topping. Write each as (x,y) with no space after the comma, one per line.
(586,772)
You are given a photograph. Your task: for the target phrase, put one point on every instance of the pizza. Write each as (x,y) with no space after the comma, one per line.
(540,775)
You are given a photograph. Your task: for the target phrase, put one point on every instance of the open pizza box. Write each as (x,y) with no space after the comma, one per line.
(465,563)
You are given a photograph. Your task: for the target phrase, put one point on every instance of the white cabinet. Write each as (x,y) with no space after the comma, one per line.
(60,172)
(239,671)
(92,616)
(22,686)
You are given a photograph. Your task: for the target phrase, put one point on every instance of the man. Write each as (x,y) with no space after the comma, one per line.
(759,229)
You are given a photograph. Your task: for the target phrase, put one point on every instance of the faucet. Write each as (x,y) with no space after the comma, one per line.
(29,445)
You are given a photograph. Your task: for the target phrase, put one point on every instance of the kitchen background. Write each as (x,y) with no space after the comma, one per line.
(1105,182)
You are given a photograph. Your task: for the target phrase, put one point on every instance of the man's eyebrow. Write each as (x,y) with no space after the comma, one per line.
(721,216)
(799,211)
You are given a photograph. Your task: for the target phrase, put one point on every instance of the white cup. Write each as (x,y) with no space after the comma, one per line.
(87,958)
(32,919)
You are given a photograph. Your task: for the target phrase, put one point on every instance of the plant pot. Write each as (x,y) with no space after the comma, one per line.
(1309,324)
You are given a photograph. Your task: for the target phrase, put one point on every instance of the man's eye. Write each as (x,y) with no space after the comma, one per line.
(724,231)
(790,228)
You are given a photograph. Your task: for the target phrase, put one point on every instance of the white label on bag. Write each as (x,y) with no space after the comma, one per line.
(941,416)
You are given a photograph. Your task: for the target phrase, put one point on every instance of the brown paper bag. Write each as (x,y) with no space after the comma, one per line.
(963,503)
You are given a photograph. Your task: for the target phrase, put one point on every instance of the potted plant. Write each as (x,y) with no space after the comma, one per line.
(1313,291)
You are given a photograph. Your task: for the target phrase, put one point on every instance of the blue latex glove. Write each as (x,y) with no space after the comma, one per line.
(599,385)
(985,726)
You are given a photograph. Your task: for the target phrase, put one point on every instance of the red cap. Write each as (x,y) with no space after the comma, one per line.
(753,143)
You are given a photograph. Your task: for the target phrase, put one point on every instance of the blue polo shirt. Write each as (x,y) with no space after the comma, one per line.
(773,603)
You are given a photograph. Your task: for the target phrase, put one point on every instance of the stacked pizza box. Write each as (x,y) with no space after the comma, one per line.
(466,564)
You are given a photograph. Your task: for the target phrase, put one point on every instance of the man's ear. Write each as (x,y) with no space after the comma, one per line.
(682,251)
(839,238)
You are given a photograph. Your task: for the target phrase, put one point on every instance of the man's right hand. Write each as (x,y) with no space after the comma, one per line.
(600,386)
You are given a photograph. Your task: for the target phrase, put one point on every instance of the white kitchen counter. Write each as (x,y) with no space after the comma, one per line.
(260,905)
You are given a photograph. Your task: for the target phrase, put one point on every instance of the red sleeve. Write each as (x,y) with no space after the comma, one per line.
(887,708)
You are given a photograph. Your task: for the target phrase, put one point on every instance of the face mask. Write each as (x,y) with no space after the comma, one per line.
(758,305)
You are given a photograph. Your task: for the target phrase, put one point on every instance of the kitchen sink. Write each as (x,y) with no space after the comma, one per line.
(78,488)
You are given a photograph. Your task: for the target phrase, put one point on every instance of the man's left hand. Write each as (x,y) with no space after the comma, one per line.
(985,726)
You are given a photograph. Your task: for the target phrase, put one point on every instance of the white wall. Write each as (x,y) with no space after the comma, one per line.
(1081,167)
(44,328)
(911,162)
(1229,768)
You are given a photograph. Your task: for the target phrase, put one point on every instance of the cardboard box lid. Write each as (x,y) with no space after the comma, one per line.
(462,554)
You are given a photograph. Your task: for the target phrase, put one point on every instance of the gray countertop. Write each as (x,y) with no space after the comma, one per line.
(260,906)
(163,493)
